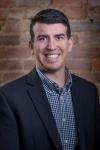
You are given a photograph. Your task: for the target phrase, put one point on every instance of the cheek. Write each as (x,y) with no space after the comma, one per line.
(64,44)
(39,46)
(36,46)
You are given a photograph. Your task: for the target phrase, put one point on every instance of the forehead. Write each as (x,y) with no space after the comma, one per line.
(42,28)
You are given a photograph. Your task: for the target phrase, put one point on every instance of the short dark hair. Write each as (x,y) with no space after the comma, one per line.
(50,16)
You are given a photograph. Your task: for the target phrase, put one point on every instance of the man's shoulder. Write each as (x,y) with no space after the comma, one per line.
(84,88)
(16,84)
(82,81)
(20,83)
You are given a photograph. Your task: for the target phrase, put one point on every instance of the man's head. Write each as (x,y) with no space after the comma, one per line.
(50,40)
(50,16)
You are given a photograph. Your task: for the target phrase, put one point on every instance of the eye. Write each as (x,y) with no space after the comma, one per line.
(41,38)
(60,37)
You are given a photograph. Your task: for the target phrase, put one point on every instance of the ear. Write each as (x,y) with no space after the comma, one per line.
(31,46)
(70,44)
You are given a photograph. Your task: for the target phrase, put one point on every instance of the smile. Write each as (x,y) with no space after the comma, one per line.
(52,55)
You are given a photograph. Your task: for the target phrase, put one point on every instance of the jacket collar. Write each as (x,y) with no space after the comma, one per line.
(39,100)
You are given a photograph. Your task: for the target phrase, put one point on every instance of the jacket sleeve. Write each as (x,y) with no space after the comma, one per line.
(8,127)
(97,133)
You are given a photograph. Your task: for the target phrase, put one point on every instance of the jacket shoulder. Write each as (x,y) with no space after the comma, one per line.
(82,82)
(14,85)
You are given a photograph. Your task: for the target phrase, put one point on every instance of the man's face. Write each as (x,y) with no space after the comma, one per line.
(51,46)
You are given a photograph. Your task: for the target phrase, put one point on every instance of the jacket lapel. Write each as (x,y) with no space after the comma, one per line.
(41,104)
(78,109)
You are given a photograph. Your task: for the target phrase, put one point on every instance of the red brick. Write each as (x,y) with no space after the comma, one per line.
(29,64)
(94,2)
(2,52)
(16,25)
(1,79)
(9,39)
(5,3)
(17,13)
(79,64)
(30,12)
(84,52)
(96,64)
(24,38)
(89,37)
(75,39)
(93,13)
(1,25)
(85,2)
(11,65)
(76,13)
(83,26)
(14,52)
(73,13)
(60,3)
(91,76)
(9,76)
(28,3)
(3,14)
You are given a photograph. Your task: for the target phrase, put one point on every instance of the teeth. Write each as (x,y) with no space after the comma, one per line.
(52,56)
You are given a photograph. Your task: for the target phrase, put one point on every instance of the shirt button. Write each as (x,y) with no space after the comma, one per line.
(66,141)
(50,92)
(64,119)
(61,98)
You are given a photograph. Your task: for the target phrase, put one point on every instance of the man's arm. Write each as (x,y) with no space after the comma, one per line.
(97,139)
(8,127)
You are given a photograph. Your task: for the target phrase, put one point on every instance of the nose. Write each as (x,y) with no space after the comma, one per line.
(51,44)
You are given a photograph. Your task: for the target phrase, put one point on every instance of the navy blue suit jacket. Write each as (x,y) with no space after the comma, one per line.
(27,123)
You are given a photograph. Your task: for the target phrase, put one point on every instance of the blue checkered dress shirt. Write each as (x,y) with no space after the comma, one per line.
(62,108)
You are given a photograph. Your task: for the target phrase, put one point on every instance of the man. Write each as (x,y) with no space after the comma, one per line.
(49,109)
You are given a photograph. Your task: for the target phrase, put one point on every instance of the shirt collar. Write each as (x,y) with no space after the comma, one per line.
(51,84)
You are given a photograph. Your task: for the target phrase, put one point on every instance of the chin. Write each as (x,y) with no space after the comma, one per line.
(52,69)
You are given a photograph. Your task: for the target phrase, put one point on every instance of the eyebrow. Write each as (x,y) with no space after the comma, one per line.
(42,35)
(60,34)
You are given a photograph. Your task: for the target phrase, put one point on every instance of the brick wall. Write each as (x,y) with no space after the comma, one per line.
(15,56)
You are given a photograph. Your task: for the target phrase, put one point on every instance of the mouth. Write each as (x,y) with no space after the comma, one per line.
(52,56)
